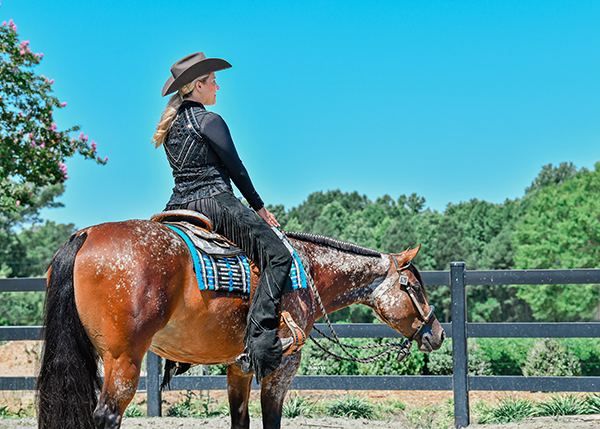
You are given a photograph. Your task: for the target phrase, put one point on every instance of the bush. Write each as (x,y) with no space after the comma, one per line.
(297,406)
(564,405)
(549,358)
(440,361)
(351,407)
(509,410)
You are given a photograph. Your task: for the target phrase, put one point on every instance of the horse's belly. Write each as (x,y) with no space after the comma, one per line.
(207,332)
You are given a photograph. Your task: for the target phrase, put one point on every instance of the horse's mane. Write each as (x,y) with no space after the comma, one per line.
(333,242)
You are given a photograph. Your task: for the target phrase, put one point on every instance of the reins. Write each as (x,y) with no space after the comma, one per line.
(403,348)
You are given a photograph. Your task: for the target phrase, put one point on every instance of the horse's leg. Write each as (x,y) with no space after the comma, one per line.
(121,377)
(238,389)
(274,388)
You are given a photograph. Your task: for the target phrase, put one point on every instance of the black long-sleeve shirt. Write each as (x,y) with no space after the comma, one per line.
(203,157)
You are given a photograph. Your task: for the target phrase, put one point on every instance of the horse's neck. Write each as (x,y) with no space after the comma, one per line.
(343,278)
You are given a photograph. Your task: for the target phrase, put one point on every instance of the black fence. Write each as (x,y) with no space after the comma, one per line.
(459,330)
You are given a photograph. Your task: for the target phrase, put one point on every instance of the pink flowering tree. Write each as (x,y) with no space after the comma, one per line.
(32,148)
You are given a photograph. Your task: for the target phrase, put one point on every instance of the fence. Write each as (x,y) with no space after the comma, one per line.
(459,330)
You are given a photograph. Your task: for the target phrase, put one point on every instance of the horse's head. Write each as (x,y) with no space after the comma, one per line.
(401,302)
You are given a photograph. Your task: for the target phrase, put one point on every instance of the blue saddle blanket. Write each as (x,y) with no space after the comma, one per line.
(232,273)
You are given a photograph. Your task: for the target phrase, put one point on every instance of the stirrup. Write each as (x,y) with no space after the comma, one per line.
(295,338)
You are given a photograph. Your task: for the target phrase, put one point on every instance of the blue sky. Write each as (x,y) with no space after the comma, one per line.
(451,100)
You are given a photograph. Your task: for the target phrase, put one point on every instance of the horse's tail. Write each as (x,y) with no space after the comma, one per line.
(68,381)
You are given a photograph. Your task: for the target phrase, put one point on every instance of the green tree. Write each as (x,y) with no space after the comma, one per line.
(33,149)
(561,229)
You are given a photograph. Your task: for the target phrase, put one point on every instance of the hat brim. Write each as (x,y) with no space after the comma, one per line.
(201,68)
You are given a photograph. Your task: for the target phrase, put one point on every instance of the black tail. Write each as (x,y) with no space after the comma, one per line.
(68,382)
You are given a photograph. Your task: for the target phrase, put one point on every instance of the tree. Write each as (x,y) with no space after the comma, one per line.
(561,229)
(33,149)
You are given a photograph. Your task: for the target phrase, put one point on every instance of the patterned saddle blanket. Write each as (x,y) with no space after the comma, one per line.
(220,265)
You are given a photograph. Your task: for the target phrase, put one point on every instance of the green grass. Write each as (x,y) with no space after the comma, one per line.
(509,410)
(592,402)
(351,407)
(562,405)
(133,410)
(297,406)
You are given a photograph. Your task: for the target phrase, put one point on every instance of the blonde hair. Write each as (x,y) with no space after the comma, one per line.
(170,111)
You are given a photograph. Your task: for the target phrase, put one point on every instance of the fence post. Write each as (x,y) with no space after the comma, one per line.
(459,345)
(153,385)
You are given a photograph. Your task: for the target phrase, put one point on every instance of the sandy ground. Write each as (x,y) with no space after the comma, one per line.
(593,422)
(20,359)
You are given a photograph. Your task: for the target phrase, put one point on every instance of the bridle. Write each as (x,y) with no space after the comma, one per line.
(403,281)
(403,348)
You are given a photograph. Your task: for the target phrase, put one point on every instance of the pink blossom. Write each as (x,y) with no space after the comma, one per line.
(94,145)
(41,55)
(43,145)
(51,112)
(52,82)
(43,77)
(63,104)
(25,43)
(105,158)
(18,203)
(81,136)
(85,139)
(4,23)
(10,23)
(66,177)
(22,52)
(33,143)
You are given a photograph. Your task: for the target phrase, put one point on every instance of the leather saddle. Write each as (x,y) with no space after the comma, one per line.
(198,228)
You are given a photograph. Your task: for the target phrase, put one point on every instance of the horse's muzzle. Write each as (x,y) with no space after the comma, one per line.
(431,337)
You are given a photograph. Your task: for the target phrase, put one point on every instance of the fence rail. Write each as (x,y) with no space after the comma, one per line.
(460,330)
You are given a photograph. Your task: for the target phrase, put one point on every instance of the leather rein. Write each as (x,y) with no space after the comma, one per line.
(403,348)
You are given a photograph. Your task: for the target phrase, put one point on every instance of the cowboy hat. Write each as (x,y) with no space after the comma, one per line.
(189,68)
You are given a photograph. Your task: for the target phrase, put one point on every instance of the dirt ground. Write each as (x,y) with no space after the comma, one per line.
(19,358)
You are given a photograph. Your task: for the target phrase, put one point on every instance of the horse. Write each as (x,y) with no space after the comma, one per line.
(117,290)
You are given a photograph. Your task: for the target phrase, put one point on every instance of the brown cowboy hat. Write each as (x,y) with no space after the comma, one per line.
(189,68)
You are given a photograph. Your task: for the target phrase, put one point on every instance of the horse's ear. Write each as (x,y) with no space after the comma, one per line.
(408,255)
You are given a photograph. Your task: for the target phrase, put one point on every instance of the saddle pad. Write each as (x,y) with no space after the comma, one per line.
(232,273)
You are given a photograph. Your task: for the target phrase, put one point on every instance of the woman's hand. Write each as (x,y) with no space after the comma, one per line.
(268,216)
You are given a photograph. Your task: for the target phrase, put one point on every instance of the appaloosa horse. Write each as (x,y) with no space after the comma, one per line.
(117,290)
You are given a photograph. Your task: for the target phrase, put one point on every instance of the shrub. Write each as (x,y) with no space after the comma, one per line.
(440,361)
(297,406)
(564,405)
(185,408)
(592,402)
(549,357)
(509,410)
(133,410)
(351,407)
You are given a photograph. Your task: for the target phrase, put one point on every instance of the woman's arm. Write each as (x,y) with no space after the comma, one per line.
(217,132)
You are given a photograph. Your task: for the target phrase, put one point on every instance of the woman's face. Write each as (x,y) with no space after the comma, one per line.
(207,91)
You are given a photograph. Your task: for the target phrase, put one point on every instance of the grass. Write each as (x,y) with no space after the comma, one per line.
(201,406)
(133,410)
(593,403)
(562,405)
(352,407)
(297,406)
(509,410)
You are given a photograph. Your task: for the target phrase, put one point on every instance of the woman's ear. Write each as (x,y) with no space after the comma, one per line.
(199,86)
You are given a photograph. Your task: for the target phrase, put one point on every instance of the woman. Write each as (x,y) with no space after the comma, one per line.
(201,152)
